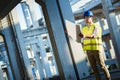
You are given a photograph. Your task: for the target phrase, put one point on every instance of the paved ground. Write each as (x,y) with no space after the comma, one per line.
(115,75)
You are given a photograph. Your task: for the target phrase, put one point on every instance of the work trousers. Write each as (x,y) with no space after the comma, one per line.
(95,57)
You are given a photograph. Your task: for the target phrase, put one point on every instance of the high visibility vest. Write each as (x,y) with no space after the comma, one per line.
(92,43)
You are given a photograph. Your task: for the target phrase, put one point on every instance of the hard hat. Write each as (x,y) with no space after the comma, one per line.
(88,13)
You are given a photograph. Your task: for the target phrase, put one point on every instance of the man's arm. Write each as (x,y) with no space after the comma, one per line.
(95,34)
(86,36)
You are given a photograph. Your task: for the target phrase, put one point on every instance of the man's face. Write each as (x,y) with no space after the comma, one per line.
(88,19)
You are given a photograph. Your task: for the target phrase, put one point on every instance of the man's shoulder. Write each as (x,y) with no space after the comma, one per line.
(97,25)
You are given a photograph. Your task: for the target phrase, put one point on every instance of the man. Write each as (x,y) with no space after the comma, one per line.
(92,44)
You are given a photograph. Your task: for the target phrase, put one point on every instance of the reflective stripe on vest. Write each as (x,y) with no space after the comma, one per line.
(91,43)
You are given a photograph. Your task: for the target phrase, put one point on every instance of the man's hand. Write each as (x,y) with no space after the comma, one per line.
(81,35)
(66,31)
(85,36)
